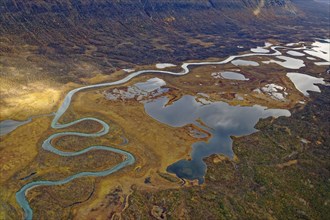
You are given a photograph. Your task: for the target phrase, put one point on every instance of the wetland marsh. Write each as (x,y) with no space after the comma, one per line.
(181,105)
(164,109)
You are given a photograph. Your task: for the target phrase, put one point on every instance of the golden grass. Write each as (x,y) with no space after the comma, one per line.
(154,144)
(21,146)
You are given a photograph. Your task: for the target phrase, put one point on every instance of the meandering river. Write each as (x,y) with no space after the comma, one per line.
(129,158)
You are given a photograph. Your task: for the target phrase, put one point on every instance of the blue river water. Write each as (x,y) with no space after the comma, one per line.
(129,158)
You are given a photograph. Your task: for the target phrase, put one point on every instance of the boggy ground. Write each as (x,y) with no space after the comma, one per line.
(233,188)
(277,175)
(152,143)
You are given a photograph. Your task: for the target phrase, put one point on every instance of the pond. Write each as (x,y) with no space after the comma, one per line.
(233,75)
(8,126)
(218,118)
(305,83)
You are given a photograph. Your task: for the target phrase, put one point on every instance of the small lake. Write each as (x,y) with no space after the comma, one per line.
(151,84)
(239,62)
(295,53)
(288,62)
(8,126)
(305,83)
(222,121)
(233,75)
(320,49)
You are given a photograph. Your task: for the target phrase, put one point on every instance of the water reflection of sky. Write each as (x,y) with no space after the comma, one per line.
(233,75)
(8,126)
(305,83)
(222,119)
(320,49)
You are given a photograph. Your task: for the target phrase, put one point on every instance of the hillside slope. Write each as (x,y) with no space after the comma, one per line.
(63,41)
